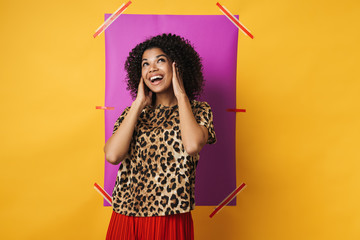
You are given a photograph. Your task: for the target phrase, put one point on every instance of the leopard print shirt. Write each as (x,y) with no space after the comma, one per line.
(157,177)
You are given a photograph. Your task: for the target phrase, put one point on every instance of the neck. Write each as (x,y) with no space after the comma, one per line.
(167,100)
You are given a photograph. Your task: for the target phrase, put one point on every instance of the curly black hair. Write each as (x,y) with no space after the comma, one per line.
(177,49)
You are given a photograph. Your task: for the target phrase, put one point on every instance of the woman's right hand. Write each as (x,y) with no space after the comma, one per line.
(144,96)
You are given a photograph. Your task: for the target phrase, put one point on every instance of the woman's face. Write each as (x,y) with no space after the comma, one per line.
(156,70)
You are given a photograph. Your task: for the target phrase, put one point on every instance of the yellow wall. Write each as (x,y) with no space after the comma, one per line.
(297,145)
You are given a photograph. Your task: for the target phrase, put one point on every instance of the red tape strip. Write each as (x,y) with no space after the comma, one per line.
(111,19)
(105,108)
(228,199)
(234,20)
(105,195)
(235,110)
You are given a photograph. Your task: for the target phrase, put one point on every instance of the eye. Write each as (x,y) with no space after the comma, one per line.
(161,60)
(145,64)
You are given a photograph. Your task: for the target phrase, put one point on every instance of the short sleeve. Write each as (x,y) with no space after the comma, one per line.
(204,116)
(120,119)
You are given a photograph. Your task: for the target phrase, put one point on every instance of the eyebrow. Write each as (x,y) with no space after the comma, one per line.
(161,55)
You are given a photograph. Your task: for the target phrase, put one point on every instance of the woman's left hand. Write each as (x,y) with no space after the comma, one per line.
(177,82)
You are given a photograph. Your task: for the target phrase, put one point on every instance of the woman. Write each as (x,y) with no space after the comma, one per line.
(158,140)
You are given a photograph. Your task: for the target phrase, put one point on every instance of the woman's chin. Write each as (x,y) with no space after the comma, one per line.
(156,89)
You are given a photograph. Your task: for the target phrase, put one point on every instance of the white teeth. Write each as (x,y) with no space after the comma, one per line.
(156,77)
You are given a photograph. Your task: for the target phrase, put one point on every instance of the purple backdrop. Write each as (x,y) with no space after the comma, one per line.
(214,37)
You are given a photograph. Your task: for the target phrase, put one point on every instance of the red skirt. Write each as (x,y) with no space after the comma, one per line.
(172,227)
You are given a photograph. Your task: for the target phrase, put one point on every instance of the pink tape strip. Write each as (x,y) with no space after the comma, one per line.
(234,20)
(228,199)
(111,19)
(102,192)
(105,108)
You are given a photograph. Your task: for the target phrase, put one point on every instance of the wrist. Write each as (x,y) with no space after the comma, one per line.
(182,97)
(137,105)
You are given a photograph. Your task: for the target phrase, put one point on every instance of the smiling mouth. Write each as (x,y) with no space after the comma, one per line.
(156,78)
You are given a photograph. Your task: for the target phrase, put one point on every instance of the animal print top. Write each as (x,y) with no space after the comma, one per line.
(157,177)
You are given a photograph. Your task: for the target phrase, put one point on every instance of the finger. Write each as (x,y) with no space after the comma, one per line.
(175,75)
(179,77)
(174,70)
(141,84)
(178,74)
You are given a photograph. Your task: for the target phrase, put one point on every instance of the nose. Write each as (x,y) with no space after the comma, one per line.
(153,67)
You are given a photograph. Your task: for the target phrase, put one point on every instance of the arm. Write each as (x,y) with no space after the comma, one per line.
(117,146)
(193,135)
